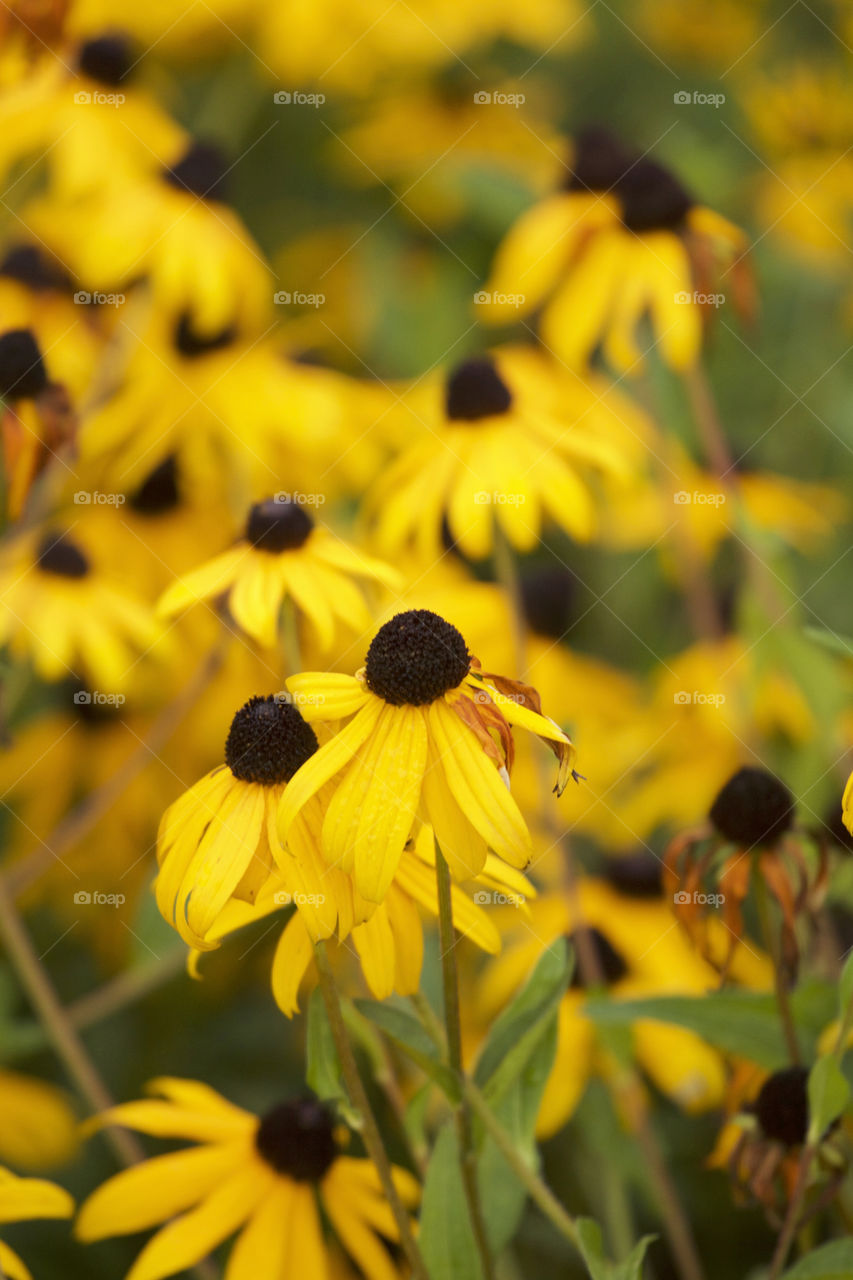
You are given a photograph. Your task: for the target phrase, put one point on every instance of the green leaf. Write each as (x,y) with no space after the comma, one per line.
(520,1027)
(741,1022)
(592,1250)
(446,1237)
(407,1033)
(502,1196)
(323,1069)
(833,1261)
(829,1093)
(829,640)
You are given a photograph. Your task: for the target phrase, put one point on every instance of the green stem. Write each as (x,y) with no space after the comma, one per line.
(540,1193)
(370,1129)
(762,902)
(453,1025)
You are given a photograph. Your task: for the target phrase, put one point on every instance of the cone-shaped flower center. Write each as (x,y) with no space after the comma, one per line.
(200,171)
(297,1139)
(159,490)
(268,741)
(278,526)
(475,390)
(415,658)
(58,554)
(22,371)
(29,266)
(636,875)
(610,964)
(548,596)
(782,1106)
(753,808)
(108,59)
(651,198)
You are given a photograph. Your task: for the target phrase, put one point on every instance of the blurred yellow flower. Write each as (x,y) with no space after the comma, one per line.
(24,1199)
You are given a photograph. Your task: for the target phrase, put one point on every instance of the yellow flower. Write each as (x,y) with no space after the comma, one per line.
(265,1178)
(388,938)
(219,839)
(495,451)
(59,610)
(37,1126)
(428,734)
(173,227)
(218,404)
(624,238)
(285,556)
(24,1199)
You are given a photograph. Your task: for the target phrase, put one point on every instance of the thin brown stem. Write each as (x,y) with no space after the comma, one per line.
(370,1129)
(57,1025)
(453,1026)
(771,943)
(792,1217)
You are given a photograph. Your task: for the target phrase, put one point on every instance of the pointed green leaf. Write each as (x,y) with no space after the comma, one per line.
(446,1237)
(833,1261)
(829,1094)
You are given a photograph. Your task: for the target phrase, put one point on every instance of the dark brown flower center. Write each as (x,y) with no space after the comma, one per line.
(268,741)
(610,963)
(753,808)
(650,197)
(107,59)
(159,490)
(58,554)
(278,526)
(415,658)
(22,371)
(782,1106)
(297,1139)
(475,390)
(200,171)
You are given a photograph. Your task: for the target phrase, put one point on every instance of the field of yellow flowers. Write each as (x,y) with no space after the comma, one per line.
(426,642)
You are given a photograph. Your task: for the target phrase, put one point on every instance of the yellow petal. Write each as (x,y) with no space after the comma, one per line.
(325,763)
(293,954)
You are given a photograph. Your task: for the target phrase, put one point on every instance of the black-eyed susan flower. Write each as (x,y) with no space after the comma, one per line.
(428,736)
(22,1200)
(496,452)
(219,839)
(285,555)
(68,617)
(624,238)
(38,1129)
(387,939)
(267,1179)
(750,833)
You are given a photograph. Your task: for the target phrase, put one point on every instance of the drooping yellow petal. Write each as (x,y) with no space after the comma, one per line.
(22,1199)
(372,813)
(293,954)
(374,942)
(577,314)
(192,1237)
(322,696)
(477,786)
(408,941)
(326,762)
(157,1189)
(210,579)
